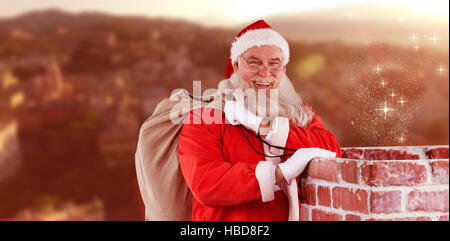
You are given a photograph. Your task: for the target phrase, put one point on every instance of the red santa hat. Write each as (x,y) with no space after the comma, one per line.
(258,33)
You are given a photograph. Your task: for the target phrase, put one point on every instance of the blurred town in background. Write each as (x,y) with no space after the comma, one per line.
(75,88)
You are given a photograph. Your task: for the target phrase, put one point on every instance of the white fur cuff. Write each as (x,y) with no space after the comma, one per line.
(265,173)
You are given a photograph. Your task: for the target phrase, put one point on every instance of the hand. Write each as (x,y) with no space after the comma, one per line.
(279,177)
(295,165)
(236,113)
(264,128)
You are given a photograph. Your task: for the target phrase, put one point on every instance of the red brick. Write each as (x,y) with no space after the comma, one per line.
(351,217)
(353,154)
(350,200)
(309,194)
(413,219)
(428,201)
(381,154)
(379,219)
(304,214)
(320,215)
(323,169)
(378,154)
(443,218)
(439,171)
(324,196)
(385,201)
(349,171)
(438,153)
(381,173)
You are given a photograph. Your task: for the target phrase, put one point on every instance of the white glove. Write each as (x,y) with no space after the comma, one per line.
(295,165)
(236,113)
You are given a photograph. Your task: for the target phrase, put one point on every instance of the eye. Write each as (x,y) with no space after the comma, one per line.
(255,62)
(274,64)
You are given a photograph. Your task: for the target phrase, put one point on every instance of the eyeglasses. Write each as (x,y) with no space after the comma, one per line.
(256,66)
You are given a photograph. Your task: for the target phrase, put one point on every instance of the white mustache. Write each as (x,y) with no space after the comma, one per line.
(289,102)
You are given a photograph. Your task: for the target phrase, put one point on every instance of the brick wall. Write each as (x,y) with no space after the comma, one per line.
(378,183)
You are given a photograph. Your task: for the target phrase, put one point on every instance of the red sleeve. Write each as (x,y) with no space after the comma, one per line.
(213,180)
(314,135)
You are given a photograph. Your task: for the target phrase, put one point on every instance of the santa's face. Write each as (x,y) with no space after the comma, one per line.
(261,67)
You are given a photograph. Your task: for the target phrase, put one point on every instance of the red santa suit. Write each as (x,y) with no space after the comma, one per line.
(221,168)
(231,181)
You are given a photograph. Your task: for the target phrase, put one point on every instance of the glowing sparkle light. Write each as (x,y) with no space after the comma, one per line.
(414,38)
(402,101)
(434,39)
(441,69)
(386,109)
(383,83)
(416,47)
(350,15)
(392,94)
(401,139)
(378,69)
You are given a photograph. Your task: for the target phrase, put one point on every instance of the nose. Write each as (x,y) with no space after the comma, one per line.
(264,71)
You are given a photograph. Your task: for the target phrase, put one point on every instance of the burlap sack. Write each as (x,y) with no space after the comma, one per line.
(163,189)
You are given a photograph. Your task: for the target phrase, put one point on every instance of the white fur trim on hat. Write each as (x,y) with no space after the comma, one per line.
(259,37)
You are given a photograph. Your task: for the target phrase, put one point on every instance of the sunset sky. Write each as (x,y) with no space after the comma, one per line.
(224,13)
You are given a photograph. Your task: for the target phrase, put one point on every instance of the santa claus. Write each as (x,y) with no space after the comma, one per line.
(246,166)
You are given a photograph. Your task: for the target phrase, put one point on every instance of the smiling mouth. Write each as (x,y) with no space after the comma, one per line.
(259,85)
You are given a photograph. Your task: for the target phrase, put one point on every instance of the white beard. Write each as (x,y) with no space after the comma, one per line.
(284,101)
